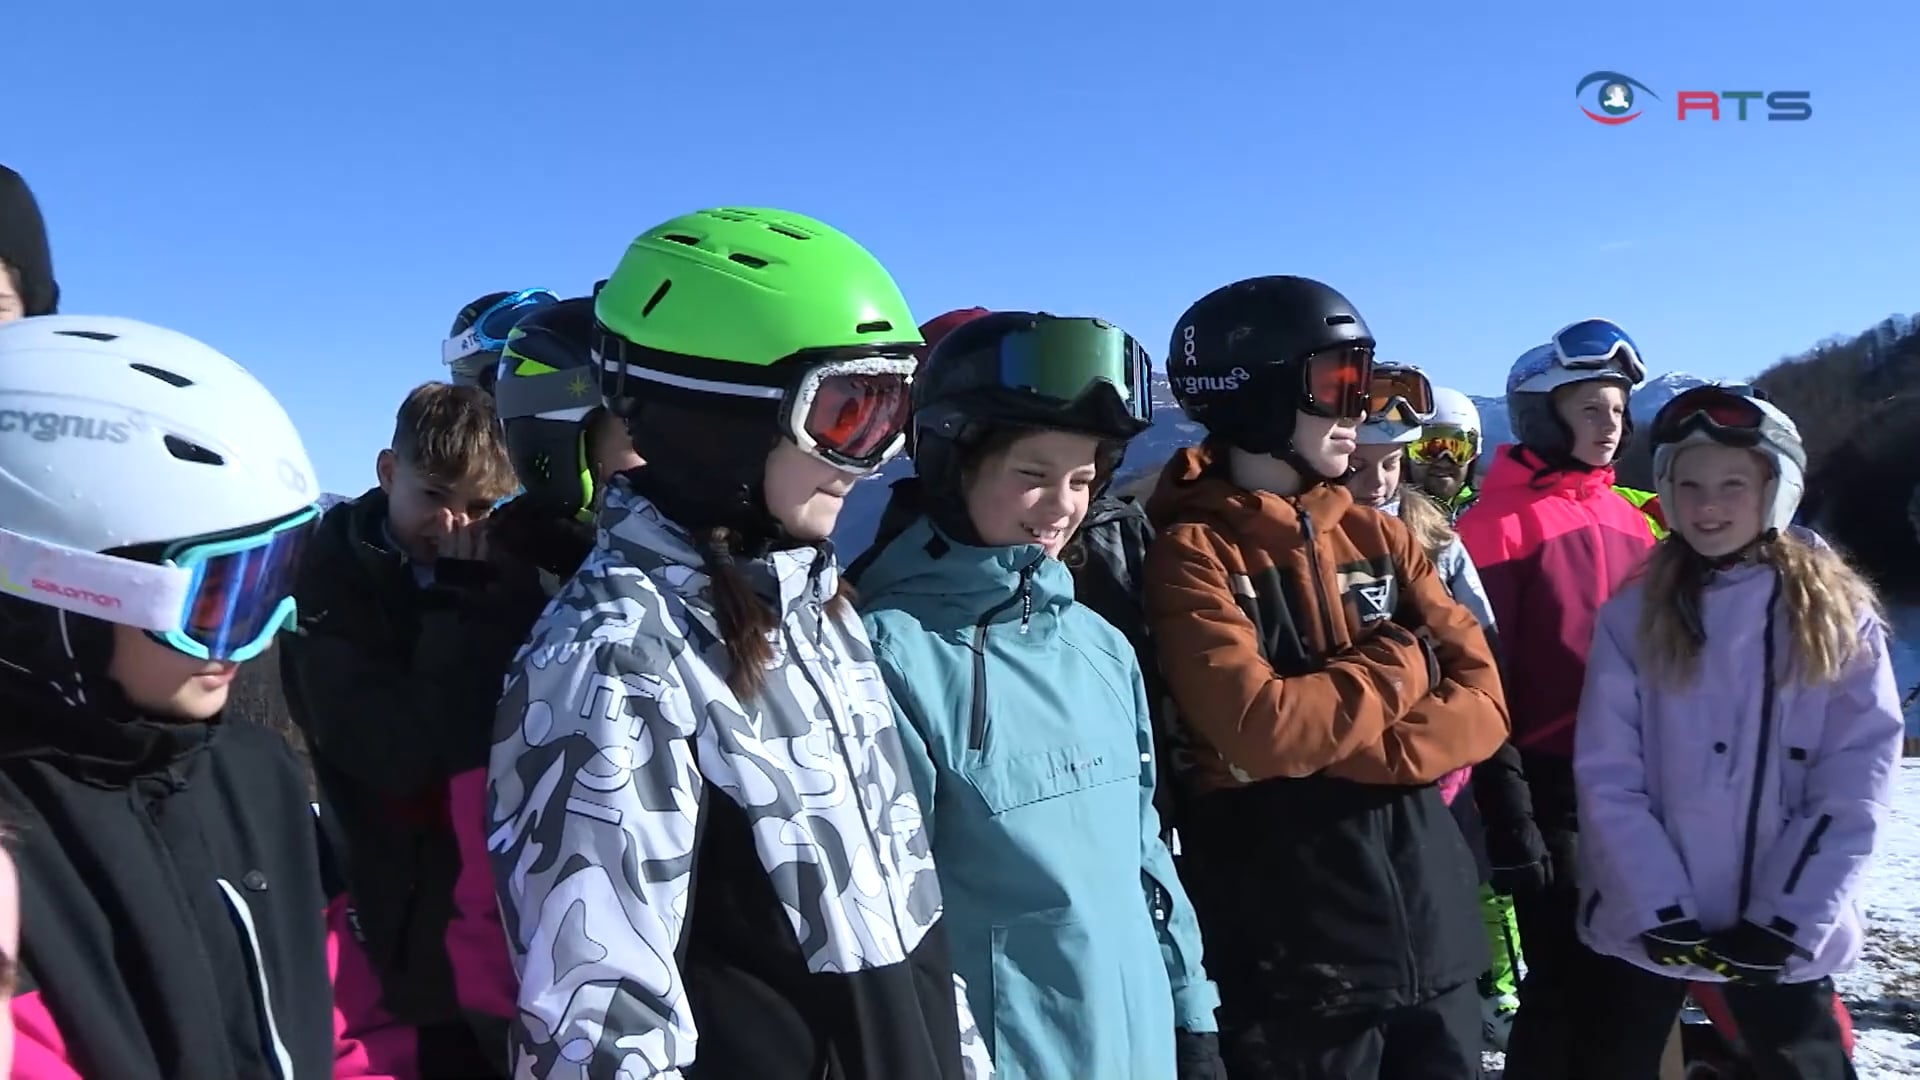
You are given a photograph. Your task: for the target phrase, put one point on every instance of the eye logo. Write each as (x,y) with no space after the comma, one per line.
(1615,97)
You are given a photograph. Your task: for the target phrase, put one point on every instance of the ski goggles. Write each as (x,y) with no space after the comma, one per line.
(1337,383)
(1071,360)
(217,599)
(1445,442)
(1398,387)
(490,329)
(1597,344)
(1725,414)
(851,414)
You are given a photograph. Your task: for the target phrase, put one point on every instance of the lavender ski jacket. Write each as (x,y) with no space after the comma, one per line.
(1747,793)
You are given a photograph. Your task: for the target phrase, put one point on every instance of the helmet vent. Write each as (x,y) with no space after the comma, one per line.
(165,376)
(192,451)
(90,335)
(682,238)
(785,231)
(745,259)
(880,327)
(1340,320)
(659,294)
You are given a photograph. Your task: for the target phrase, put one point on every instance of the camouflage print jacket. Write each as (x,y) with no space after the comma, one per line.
(672,860)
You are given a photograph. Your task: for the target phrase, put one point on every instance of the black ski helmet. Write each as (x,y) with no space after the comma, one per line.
(546,392)
(962,393)
(1235,361)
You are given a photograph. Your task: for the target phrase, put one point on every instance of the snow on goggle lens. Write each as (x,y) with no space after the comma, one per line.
(856,417)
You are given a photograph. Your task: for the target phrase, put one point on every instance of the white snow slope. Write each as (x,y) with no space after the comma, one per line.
(1883,991)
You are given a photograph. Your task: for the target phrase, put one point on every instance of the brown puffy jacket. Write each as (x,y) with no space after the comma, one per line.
(1302,636)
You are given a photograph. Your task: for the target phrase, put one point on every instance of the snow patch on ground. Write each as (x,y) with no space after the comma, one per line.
(1883,990)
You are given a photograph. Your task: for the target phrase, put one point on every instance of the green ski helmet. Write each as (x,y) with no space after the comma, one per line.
(545,393)
(747,310)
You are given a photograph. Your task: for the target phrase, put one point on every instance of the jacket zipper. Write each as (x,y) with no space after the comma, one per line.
(1760,756)
(1807,851)
(977,714)
(243,916)
(1313,566)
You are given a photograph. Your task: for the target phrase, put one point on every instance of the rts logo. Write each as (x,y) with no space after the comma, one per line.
(1617,99)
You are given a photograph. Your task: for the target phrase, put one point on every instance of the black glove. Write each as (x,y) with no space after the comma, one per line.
(1196,1056)
(1681,943)
(1523,880)
(1748,953)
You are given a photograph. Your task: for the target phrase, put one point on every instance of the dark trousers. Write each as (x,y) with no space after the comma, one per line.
(1438,1039)
(1788,1028)
(1584,1016)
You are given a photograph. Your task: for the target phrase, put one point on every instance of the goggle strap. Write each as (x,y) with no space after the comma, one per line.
(456,349)
(142,595)
(692,383)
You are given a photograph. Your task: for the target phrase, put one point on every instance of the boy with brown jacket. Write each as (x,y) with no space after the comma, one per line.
(1324,680)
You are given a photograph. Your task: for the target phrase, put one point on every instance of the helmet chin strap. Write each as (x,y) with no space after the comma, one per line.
(1309,475)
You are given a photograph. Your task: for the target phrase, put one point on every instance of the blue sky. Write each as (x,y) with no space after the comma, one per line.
(317,191)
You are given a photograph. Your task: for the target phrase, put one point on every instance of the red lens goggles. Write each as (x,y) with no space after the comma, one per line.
(1726,413)
(1337,382)
(853,414)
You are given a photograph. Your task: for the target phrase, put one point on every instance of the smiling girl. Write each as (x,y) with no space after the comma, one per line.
(1738,733)
(1026,718)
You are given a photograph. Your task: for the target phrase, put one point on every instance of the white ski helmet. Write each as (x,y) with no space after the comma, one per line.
(118,434)
(115,432)
(1591,350)
(1451,408)
(1733,416)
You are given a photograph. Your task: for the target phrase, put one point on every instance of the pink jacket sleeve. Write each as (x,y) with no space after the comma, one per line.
(368,1043)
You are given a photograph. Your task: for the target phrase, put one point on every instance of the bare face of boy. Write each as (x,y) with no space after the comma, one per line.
(430,516)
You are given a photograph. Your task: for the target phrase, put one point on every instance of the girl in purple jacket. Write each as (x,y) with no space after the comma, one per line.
(1736,740)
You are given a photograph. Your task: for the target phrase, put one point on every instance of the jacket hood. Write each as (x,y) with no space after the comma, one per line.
(636,530)
(1516,468)
(1194,486)
(946,584)
(1110,508)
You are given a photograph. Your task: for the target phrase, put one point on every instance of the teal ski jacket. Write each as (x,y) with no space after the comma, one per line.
(1028,736)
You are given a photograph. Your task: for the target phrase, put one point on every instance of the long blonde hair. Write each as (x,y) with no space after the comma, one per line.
(1425,520)
(1824,596)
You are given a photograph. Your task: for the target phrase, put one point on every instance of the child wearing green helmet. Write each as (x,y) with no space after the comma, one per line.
(703,826)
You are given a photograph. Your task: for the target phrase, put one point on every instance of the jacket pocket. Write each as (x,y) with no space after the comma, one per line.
(1058,1010)
(1013,780)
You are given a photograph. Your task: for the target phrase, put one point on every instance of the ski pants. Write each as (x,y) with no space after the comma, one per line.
(1503,944)
(1438,1039)
(1788,1030)
(1564,988)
